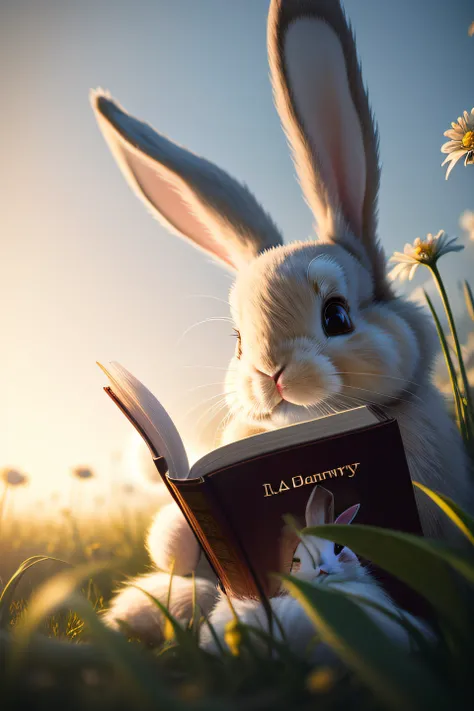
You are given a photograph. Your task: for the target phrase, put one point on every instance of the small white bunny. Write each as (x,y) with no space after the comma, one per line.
(319,327)
(319,562)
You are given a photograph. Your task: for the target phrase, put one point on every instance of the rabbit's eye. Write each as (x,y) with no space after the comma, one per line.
(238,350)
(336,319)
(337,548)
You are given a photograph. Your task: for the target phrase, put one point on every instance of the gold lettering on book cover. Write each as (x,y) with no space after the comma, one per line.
(348,470)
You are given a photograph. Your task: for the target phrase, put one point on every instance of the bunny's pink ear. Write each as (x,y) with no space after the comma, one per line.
(324,109)
(348,515)
(320,507)
(188,194)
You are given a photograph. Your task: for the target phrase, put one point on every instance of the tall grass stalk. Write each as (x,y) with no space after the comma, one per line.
(459,410)
(466,397)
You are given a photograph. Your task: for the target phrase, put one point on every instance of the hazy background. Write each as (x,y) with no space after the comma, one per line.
(87,274)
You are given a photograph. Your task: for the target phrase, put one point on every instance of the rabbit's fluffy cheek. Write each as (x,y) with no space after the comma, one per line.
(377,359)
(308,380)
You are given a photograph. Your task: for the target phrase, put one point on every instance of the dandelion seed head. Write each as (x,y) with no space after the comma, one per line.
(83,473)
(12,477)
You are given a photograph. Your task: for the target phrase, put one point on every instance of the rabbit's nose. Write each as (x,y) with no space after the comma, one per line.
(277,379)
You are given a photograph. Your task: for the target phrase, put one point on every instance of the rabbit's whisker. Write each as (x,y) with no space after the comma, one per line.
(384,395)
(222,425)
(202,402)
(366,401)
(200,323)
(213,367)
(207,296)
(211,412)
(388,377)
(205,385)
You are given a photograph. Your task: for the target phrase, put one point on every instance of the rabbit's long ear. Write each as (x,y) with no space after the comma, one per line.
(325,112)
(190,195)
(320,507)
(348,515)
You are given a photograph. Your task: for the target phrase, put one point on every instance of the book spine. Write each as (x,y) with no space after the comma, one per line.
(222,549)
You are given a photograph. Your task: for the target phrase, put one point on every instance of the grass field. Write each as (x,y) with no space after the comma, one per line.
(56,653)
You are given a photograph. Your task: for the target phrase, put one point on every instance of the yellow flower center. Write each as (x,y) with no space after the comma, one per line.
(423,252)
(468,141)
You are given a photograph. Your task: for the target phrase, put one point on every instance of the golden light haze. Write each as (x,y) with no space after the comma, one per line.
(86,274)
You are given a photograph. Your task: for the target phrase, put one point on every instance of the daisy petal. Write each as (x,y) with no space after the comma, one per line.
(454,157)
(450,146)
(395,272)
(456,135)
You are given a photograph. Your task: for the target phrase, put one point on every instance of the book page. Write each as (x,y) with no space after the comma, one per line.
(338,423)
(154,423)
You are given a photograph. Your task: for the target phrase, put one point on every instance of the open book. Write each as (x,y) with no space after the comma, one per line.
(236,498)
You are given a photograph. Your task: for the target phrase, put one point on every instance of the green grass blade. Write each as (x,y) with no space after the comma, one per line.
(60,592)
(187,641)
(422,564)
(462,520)
(269,641)
(400,617)
(397,679)
(180,634)
(459,406)
(469,299)
(6,598)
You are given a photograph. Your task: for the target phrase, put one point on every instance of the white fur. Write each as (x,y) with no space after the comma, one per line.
(171,543)
(319,565)
(188,194)
(280,291)
(335,133)
(140,614)
(298,630)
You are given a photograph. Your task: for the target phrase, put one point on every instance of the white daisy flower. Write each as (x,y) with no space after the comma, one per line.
(426,252)
(461,143)
(466,222)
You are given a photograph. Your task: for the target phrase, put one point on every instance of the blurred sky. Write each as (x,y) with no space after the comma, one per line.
(87,274)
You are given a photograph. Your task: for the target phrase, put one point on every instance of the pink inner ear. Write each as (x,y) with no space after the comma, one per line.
(348,515)
(161,190)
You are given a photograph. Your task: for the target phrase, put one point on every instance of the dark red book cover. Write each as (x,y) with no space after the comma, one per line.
(238,512)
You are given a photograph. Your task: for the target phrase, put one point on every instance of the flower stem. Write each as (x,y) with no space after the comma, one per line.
(457,347)
(451,370)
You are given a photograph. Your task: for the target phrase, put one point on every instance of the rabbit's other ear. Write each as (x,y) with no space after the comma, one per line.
(320,507)
(325,112)
(348,515)
(189,195)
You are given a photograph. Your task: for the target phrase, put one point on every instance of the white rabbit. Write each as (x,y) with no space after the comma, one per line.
(142,616)
(319,327)
(319,562)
